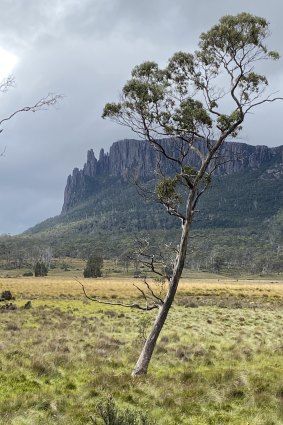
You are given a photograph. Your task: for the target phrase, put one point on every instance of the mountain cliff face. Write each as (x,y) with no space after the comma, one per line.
(136,157)
(239,220)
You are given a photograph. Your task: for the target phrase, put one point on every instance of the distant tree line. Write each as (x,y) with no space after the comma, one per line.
(215,250)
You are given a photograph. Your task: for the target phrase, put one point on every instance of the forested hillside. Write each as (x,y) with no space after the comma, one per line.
(239,224)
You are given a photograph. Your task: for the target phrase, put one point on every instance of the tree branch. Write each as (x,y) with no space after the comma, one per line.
(100,301)
(42,104)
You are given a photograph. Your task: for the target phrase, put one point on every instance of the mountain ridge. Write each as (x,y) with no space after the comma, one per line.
(137,157)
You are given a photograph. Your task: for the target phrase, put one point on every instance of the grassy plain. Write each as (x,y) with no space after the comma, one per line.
(218,361)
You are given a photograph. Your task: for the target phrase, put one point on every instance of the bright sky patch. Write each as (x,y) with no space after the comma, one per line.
(7,63)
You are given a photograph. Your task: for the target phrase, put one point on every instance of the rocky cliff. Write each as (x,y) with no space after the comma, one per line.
(136,157)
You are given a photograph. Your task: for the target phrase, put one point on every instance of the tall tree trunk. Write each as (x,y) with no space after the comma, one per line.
(150,343)
(148,348)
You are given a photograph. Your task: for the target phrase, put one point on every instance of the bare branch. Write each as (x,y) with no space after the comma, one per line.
(4,150)
(100,301)
(160,301)
(268,100)
(42,104)
(6,83)
(142,292)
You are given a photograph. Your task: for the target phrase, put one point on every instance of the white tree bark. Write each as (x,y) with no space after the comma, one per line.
(150,343)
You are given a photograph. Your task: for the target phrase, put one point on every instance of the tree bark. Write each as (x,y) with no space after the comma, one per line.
(150,343)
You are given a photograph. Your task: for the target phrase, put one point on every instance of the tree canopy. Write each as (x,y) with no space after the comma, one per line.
(206,94)
(93,267)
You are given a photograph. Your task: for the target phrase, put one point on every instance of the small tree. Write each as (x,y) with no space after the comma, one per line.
(93,267)
(40,269)
(198,101)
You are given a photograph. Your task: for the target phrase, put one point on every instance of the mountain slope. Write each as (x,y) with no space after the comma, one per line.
(240,221)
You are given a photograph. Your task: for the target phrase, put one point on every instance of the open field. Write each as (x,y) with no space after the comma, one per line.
(219,359)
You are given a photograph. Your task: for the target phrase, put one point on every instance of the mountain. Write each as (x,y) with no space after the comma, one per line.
(239,226)
(128,158)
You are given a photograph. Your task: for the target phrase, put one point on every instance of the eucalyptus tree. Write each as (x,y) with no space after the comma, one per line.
(197,101)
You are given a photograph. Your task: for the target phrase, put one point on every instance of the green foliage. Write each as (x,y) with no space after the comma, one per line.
(224,122)
(111,110)
(162,101)
(189,114)
(40,269)
(166,191)
(235,33)
(112,415)
(93,267)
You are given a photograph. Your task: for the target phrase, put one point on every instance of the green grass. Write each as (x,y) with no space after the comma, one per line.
(218,361)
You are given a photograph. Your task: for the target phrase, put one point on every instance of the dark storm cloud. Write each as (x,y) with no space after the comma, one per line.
(85,49)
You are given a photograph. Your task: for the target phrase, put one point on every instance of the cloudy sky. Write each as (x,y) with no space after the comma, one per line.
(85,49)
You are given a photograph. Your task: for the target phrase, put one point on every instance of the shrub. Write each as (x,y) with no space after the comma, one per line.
(112,415)
(7,296)
(40,269)
(93,267)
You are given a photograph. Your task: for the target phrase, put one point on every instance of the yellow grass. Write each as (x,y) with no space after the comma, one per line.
(54,286)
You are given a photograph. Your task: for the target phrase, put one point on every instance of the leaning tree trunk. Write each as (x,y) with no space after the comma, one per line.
(148,348)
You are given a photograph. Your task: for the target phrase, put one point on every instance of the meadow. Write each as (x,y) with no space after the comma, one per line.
(218,361)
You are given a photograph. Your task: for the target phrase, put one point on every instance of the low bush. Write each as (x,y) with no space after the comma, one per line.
(6,296)
(110,414)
